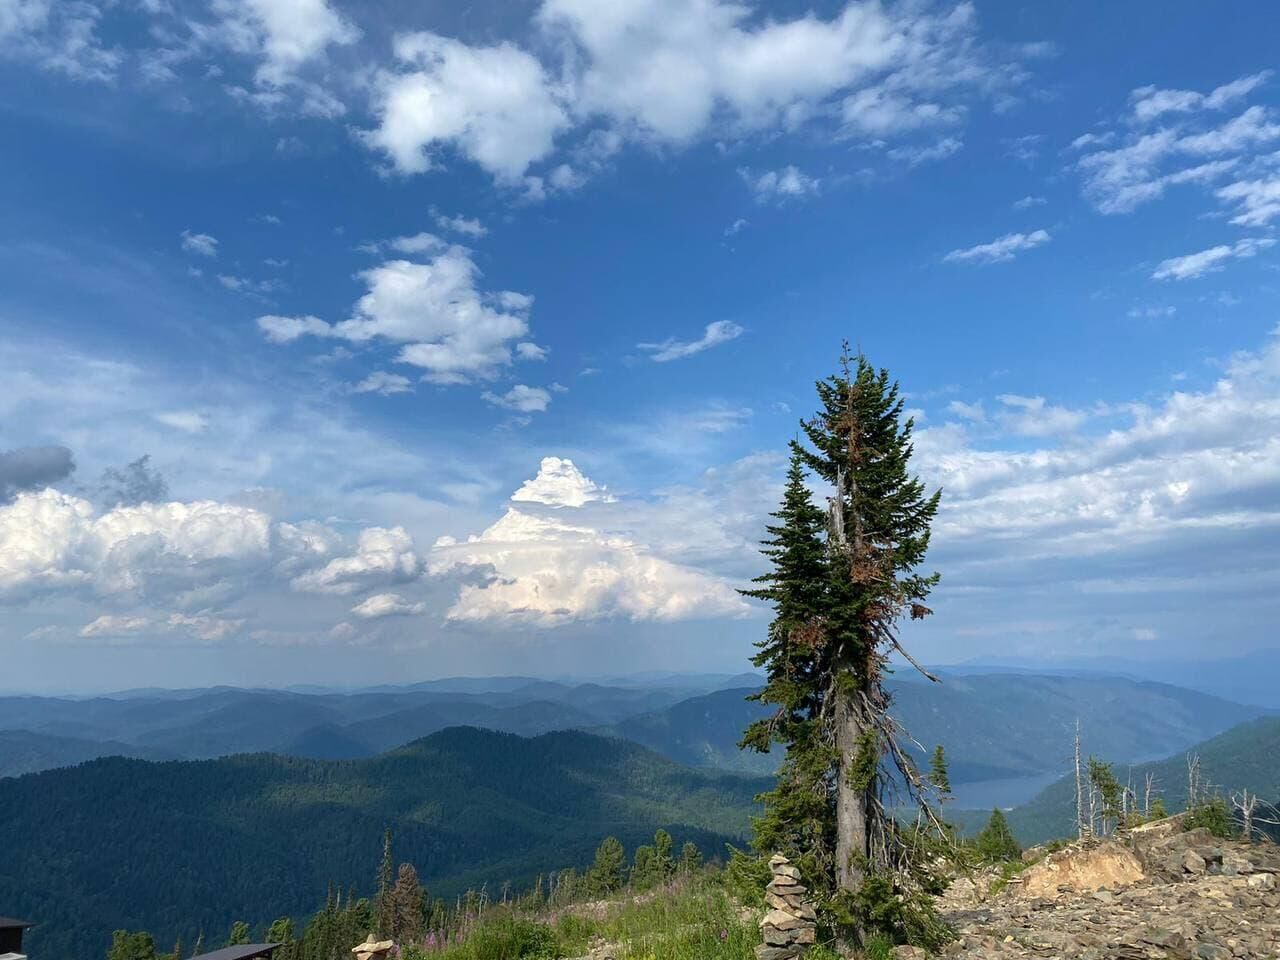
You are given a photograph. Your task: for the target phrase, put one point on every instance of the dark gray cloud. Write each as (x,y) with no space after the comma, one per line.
(134,483)
(33,468)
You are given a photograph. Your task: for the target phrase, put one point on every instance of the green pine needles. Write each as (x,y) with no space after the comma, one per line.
(840,583)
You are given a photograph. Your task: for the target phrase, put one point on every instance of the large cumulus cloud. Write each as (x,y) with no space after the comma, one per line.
(548,569)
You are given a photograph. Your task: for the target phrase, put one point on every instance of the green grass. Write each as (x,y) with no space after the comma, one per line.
(693,919)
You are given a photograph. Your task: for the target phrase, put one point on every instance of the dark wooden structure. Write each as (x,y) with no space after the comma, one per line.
(243,951)
(11,932)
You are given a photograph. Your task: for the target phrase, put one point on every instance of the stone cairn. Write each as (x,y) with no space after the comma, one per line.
(373,949)
(791,924)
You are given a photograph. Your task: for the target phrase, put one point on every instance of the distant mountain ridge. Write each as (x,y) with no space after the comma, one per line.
(1247,678)
(176,847)
(970,715)
(992,727)
(199,724)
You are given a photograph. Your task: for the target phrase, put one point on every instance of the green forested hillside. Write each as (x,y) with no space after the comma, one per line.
(177,847)
(975,719)
(1246,756)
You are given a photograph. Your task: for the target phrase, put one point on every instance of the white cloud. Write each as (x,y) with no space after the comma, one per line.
(521,398)
(449,328)
(384,383)
(969,411)
(200,244)
(416,243)
(673,71)
(382,556)
(1093,140)
(279,329)
(257,289)
(180,627)
(786,183)
(1194,149)
(531,351)
(560,483)
(735,228)
(386,605)
(1029,201)
(999,250)
(52,542)
(1034,417)
(1194,474)
(492,104)
(914,156)
(550,572)
(669,70)
(188,421)
(716,333)
(1257,201)
(1208,261)
(286,37)
(1150,102)
(185,572)
(878,112)
(446,325)
(467,226)
(60,36)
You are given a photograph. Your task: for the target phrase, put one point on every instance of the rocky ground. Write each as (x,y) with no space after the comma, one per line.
(1158,893)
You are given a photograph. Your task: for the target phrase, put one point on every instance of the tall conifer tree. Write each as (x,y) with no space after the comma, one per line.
(386,906)
(939,775)
(841,583)
(798,812)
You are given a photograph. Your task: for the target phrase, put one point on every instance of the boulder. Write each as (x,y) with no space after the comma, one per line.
(1192,862)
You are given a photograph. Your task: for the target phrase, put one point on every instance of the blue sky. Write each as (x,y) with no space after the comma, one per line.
(351,276)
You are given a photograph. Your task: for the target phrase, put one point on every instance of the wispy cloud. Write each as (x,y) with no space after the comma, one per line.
(201,244)
(521,399)
(914,156)
(1208,261)
(999,250)
(721,331)
(786,183)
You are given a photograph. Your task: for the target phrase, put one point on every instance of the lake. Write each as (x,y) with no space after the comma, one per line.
(1004,793)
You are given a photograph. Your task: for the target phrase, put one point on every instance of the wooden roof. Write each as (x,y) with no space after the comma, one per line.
(243,951)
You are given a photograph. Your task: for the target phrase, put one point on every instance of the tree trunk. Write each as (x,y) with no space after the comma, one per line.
(852,806)
(1079,789)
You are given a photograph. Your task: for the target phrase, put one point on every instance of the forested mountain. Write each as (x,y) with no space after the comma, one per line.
(969,715)
(198,724)
(1246,756)
(179,847)
(972,717)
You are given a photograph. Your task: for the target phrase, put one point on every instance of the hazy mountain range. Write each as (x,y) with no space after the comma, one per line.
(692,720)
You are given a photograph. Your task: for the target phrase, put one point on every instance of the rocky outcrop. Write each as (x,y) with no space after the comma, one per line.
(1108,865)
(791,924)
(1194,897)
